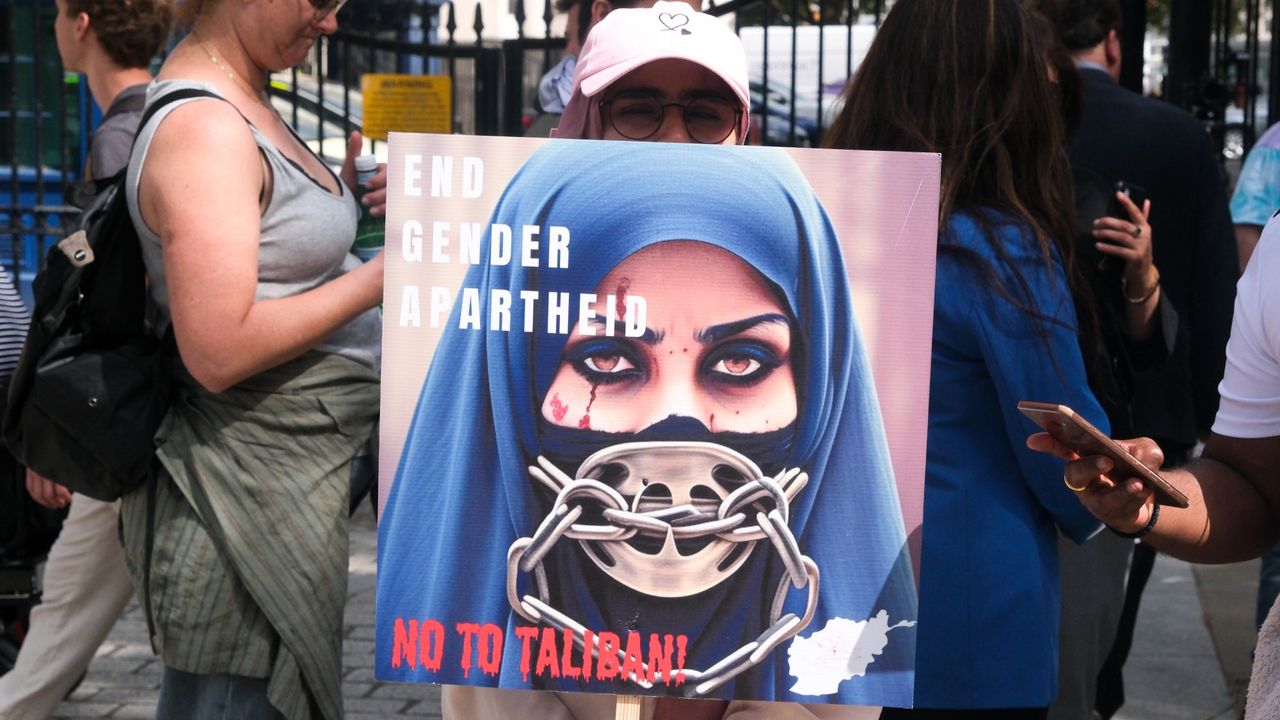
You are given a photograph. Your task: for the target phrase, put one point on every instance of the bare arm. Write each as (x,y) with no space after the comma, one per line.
(1232,488)
(201,198)
(1246,240)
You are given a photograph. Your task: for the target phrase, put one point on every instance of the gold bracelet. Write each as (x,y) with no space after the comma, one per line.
(1124,290)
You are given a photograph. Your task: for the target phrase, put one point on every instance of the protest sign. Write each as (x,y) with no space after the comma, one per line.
(654,417)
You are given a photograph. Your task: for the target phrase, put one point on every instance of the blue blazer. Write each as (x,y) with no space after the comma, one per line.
(988,634)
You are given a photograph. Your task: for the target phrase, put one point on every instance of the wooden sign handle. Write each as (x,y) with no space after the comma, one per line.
(628,708)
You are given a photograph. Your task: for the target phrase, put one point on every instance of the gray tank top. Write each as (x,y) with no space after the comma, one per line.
(304,240)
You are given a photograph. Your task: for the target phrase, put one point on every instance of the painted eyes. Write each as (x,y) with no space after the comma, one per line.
(734,363)
(742,362)
(608,364)
(737,366)
(604,361)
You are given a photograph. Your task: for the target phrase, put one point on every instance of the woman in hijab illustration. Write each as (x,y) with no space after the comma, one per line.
(703,457)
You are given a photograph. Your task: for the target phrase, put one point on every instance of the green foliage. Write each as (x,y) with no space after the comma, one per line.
(1158,16)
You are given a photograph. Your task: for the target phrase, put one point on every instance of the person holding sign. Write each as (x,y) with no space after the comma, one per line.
(728,385)
(642,70)
(939,78)
(749,376)
(239,546)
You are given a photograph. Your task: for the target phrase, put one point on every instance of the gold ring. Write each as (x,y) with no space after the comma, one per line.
(1073,488)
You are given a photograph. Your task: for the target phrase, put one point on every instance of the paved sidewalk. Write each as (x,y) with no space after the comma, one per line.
(1190,659)
(124,678)
(1190,656)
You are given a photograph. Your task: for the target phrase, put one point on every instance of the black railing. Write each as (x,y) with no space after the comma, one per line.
(494,81)
(800,55)
(41,134)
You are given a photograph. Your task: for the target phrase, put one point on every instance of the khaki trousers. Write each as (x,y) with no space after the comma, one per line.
(86,588)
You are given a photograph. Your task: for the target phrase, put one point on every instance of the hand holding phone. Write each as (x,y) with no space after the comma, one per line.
(1136,194)
(1068,428)
(1125,225)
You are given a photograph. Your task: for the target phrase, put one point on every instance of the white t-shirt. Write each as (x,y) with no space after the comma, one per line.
(1250,387)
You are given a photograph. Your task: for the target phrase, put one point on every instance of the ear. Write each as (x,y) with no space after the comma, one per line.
(82,25)
(1111,46)
(600,8)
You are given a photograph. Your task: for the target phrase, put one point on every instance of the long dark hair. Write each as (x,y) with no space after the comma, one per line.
(1062,70)
(969,79)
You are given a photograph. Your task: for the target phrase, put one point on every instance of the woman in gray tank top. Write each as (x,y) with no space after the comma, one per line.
(246,236)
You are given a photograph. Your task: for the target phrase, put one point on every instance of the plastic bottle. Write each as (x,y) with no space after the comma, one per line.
(370,230)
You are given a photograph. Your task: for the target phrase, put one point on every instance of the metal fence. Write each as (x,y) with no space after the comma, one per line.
(493,82)
(42,134)
(44,124)
(801,54)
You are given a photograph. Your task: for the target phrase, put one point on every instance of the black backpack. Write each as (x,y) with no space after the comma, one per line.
(92,384)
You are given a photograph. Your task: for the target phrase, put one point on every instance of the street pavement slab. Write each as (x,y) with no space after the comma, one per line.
(124,678)
(1190,658)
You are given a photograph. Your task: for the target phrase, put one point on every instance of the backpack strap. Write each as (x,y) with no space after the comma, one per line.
(97,185)
(187,94)
(168,99)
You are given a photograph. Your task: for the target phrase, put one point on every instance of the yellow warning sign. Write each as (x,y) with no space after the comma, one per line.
(406,103)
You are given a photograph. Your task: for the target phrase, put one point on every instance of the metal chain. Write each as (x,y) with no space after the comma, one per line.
(562,622)
(526,555)
(625,524)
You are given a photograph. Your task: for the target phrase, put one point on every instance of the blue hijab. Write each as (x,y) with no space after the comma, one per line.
(463,494)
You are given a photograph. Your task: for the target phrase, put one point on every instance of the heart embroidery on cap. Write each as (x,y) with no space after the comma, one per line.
(675,21)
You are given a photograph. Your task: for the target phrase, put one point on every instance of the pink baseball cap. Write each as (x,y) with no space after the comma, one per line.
(630,37)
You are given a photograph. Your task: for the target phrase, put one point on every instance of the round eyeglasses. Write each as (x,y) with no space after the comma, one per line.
(639,115)
(324,7)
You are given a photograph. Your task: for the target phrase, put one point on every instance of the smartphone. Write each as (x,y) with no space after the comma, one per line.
(1069,428)
(1135,193)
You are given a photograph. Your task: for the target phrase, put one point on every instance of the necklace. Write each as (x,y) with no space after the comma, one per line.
(256,95)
